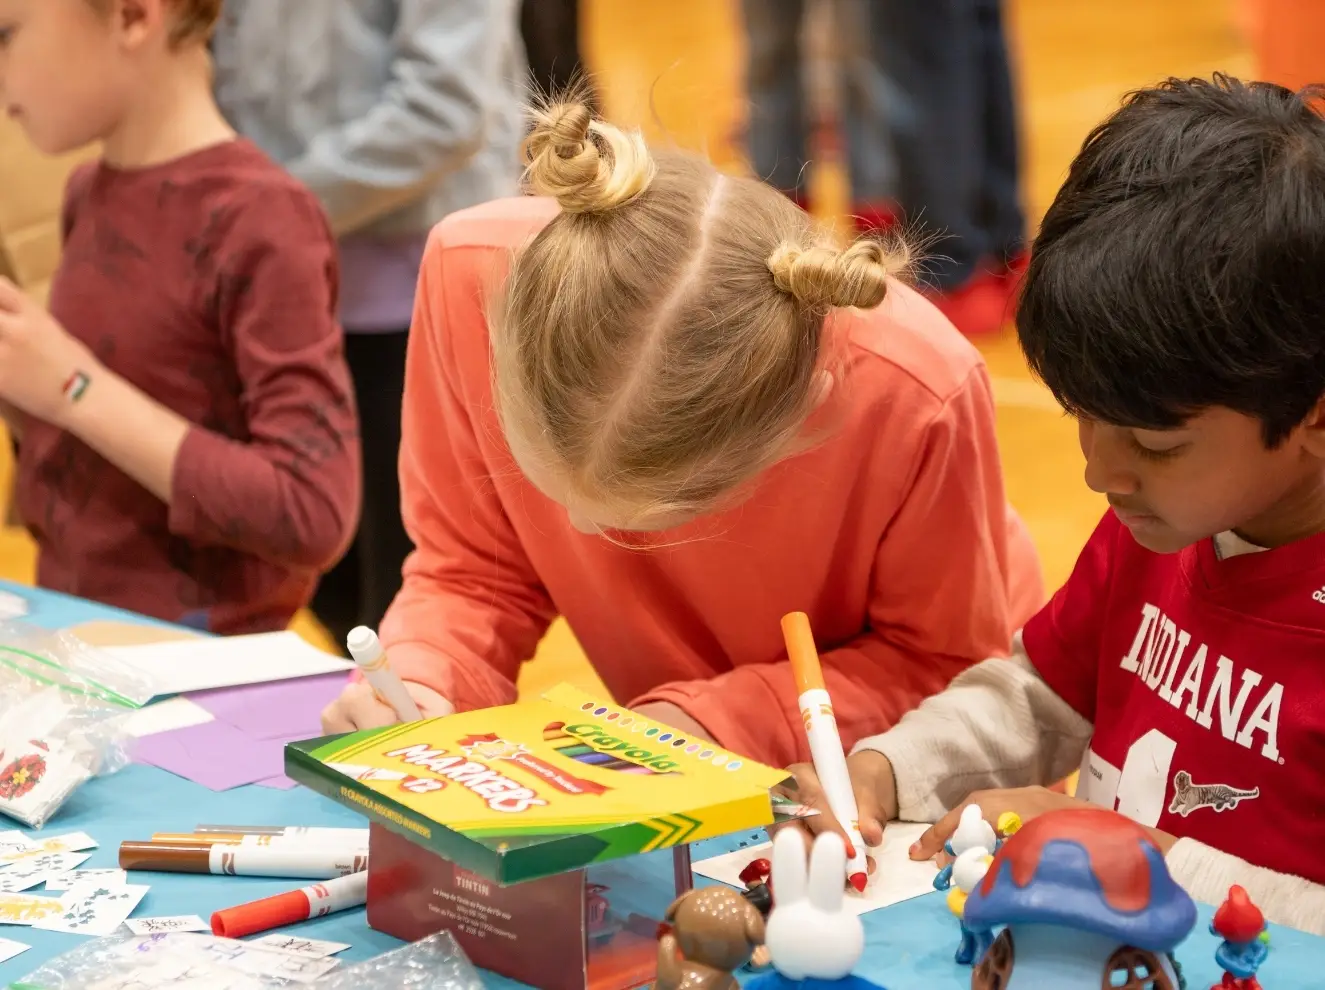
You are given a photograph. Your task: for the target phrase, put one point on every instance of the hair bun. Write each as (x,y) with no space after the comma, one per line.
(824,276)
(585,164)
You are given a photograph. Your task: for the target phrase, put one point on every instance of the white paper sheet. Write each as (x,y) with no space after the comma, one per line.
(179,666)
(163,716)
(895,878)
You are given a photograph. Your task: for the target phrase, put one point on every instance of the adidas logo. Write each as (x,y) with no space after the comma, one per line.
(1319,596)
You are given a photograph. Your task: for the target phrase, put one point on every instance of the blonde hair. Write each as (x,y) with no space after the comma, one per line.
(194,19)
(660,342)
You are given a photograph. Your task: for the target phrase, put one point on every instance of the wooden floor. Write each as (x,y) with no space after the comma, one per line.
(674,68)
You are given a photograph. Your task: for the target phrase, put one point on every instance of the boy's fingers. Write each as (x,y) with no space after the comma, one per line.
(931,843)
(870,819)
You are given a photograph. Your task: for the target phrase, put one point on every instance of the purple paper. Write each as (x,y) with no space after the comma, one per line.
(281,783)
(282,709)
(214,754)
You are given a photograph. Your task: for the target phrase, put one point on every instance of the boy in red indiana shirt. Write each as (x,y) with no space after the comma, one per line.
(187,440)
(1175,306)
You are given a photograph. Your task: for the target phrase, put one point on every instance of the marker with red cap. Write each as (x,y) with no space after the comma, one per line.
(830,762)
(292,907)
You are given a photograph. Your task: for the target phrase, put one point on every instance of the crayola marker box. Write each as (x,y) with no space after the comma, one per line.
(548,836)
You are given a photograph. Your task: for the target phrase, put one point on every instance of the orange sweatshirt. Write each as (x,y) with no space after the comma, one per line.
(893,533)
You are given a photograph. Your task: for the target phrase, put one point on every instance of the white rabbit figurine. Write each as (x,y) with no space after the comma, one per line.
(811,936)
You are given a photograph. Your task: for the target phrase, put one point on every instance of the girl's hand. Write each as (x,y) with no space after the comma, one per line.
(358,708)
(38,357)
(674,718)
(876,797)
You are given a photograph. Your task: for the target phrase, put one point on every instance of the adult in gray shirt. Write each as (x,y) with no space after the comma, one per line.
(395,113)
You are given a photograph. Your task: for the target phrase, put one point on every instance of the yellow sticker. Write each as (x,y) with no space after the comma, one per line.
(27,909)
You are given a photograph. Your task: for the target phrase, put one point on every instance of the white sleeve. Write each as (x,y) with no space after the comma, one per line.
(1206,874)
(996,725)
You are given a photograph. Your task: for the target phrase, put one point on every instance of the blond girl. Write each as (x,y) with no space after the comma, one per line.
(657,400)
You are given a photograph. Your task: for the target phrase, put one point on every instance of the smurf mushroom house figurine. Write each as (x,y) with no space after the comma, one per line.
(1087,902)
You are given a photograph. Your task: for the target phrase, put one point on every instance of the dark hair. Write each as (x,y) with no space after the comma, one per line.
(1182,264)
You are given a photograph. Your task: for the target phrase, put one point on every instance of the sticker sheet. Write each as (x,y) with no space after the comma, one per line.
(33,870)
(28,909)
(91,909)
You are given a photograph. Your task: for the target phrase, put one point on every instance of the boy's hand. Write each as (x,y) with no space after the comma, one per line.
(37,356)
(876,797)
(358,708)
(1026,802)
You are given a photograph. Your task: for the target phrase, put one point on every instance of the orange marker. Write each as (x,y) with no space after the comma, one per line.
(830,761)
(292,907)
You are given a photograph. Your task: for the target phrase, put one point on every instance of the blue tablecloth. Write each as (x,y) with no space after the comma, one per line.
(909,946)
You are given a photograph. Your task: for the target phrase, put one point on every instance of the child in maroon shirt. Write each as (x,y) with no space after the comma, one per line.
(188,443)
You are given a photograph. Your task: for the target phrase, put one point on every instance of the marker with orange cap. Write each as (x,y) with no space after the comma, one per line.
(830,761)
(292,907)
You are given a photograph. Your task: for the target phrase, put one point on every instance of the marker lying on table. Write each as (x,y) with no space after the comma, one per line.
(353,841)
(830,762)
(285,830)
(368,653)
(292,907)
(304,863)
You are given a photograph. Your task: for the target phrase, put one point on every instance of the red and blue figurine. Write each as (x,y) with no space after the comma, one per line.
(1241,925)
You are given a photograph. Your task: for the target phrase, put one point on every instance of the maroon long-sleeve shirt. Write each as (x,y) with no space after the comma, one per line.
(210,283)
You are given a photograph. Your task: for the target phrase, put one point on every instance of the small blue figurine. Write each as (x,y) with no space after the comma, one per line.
(813,941)
(1241,925)
(969,869)
(973,832)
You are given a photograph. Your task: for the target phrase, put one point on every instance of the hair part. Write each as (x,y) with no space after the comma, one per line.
(657,344)
(193,20)
(1179,267)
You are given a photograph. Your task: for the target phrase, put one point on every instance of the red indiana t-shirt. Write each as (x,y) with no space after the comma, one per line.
(1205,682)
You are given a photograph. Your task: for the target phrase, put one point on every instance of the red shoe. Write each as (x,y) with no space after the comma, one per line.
(981,306)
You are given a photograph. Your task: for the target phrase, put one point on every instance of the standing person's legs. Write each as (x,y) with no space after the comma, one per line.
(1002,216)
(358,590)
(775,87)
(930,49)
(551,32)
(871,101)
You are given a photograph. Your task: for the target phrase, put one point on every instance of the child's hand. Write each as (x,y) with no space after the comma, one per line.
(674,717)
(876,797)
(1025,802)
(37,356)
(358,708)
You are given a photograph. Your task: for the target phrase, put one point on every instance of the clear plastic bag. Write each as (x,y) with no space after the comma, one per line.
(184,961)
(64,707)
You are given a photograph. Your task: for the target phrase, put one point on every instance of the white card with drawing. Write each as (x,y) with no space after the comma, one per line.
(175,923)
(311,947)
(895,877)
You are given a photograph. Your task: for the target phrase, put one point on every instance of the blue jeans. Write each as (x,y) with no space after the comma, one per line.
(929,118)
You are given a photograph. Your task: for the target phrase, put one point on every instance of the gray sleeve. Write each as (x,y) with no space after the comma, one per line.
(996,725)
(431,119)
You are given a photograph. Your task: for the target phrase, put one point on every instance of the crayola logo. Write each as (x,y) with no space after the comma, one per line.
(594,736)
